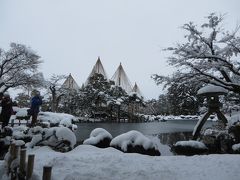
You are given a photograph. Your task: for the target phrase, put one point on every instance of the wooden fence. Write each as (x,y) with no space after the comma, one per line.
(23,170)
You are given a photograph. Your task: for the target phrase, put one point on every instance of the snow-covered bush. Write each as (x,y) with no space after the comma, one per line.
(135,142)
(59,138)
(21,113)
(99,137)
(189,148)
(219,141)
(56,119)
(21,133)
(234,129)
(236,148)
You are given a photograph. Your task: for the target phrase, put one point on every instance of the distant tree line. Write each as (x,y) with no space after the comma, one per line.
(210,55)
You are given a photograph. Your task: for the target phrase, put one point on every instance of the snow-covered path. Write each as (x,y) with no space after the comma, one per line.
(88,162)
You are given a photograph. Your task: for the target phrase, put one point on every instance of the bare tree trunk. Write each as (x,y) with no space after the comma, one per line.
(53,103)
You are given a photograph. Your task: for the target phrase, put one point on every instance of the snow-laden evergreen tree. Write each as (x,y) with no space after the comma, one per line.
(93,96)
(101,98)
(116,102)
(210,54)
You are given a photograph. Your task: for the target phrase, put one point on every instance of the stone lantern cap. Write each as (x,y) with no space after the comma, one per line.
(212,90)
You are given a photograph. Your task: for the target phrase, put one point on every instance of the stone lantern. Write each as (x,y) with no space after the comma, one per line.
(212,93)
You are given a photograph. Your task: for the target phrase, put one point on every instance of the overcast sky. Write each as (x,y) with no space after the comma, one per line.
(69,35)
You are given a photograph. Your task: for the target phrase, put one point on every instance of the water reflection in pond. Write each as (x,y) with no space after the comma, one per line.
(172,138)
(168,132)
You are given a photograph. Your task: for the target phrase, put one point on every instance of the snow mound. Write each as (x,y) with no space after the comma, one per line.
(18,142)
(58,137)
(98,135)
(62,119)
(189,148)
(19,132)
(22,112)
(234,119)
(65,134)
(236,147)
(89,162)
(191,143)
(133,138)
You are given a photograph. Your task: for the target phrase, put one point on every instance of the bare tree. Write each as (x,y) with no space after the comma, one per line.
(210,55)
(56,91)
(19,67)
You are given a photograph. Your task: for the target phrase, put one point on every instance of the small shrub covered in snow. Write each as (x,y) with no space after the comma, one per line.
(99,137)
(56,119)
(189,148)
(22,113)
(60,138)
(218,141)
(135,142)
(21,133)
(234,129)
(236,148)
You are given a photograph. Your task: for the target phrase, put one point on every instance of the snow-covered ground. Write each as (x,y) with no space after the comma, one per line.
(88,162)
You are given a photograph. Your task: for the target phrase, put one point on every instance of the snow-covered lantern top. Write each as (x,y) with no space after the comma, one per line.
(212,93)
(212,90)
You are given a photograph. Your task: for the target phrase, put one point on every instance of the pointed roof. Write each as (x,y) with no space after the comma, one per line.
(70,83)
(120,78)
(97,69)
(137,90)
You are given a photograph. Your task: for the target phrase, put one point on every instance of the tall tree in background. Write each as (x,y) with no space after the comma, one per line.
(210,55)
(94,96)
(19,67)
(182,98)
(54,85)
(23,100)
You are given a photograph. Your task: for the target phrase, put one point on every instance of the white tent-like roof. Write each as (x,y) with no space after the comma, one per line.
(137,90)
(97,69)
(70,83)
(120,78)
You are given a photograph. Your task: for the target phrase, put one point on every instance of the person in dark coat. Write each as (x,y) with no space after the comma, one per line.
(6,109)
(36,102)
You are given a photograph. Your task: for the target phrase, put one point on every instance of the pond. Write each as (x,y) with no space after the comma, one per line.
(168,132)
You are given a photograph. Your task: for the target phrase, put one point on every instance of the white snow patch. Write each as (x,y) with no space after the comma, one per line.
(64,133)
(133,138)
(96,136)
(236,147)
(22,112)
(57,118)
(191,143)
(18,142)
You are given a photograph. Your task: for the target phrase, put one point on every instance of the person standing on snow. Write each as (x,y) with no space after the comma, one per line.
(36,102)
(6,109)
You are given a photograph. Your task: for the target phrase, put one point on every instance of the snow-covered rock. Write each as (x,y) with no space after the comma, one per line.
(89,162)
(189,147)
(134,142)
(60,138)
(99,137)
(236,148)
(65,134)
(191,143)
(21,112)
(55,119)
